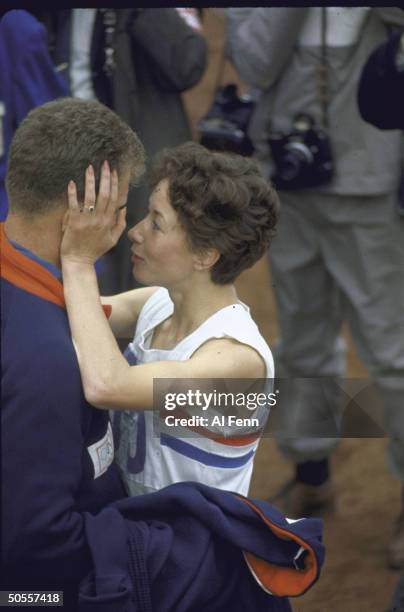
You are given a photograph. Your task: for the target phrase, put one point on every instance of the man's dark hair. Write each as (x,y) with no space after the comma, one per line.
(222,201)
(56,142)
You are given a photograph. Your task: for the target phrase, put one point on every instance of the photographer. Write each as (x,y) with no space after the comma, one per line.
(381,103)
(340,245)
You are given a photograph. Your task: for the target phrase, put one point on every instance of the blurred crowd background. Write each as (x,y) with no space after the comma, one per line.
(164,90)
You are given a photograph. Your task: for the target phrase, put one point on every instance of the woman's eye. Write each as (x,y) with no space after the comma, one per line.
(155,225)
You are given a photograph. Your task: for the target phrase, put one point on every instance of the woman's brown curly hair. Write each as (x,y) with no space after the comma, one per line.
(222,201)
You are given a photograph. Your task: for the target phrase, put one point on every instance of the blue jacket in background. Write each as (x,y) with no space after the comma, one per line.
(27,79)
(381,87)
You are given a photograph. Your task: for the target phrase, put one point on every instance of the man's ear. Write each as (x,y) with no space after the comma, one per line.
(206,259)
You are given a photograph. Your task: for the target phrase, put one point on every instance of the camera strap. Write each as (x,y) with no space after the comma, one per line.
(109,23)
(323,70)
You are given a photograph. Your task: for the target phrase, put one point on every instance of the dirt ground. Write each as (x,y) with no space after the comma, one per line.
(354,577)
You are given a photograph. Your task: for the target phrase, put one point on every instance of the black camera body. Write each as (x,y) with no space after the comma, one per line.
(302,157)
(224,127)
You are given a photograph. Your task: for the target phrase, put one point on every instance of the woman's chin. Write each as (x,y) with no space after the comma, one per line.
(141,278)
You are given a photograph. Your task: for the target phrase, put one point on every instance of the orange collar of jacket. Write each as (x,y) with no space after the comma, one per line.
(27,274)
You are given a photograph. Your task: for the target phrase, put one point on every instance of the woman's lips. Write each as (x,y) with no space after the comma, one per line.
(136,258)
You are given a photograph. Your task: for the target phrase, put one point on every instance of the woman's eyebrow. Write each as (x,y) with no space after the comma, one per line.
(156,212)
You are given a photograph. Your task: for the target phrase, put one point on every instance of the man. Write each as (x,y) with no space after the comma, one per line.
(57,449)
(339,250)
(381,103)
(66,523)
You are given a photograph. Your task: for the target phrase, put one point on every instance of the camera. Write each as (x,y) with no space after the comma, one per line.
(302,157)
(224,127)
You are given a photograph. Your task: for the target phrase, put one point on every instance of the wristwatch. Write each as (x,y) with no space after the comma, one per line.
(399,57)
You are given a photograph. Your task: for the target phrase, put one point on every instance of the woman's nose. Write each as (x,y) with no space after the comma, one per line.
(135,234)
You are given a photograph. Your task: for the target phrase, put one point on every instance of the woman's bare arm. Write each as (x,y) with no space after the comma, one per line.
(109,382)
(117,386)
(126,308)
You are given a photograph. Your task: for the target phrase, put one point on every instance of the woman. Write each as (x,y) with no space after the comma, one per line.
(211,215)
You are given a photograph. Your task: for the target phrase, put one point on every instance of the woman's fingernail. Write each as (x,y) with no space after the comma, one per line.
(71,184)
(90,169)
(105,165)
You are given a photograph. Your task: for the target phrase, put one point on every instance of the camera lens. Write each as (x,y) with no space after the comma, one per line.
(290,168)
(297,156)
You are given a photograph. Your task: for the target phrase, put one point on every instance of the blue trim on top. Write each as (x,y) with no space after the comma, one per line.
(46,264)
(192,452)
(130,356)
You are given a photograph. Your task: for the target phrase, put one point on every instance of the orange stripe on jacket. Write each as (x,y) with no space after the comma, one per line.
(207,433)
(27,274)
(282,581)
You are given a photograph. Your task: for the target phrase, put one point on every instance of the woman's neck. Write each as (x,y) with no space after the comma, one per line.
(194,305)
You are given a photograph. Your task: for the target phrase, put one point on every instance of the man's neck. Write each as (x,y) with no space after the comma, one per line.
(41,234)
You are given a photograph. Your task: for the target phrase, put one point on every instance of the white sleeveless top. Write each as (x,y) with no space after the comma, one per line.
(148,461)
